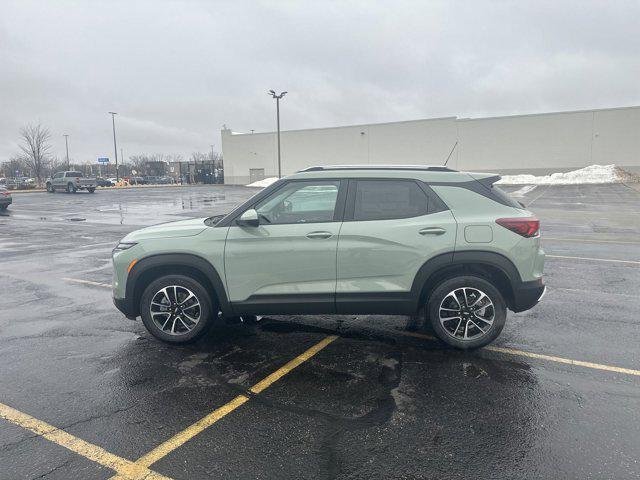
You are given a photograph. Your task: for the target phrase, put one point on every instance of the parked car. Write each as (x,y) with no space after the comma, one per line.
(165,181)
(104,182)
(19,183)
(149,180)
(135,181)
(345,240)
(71,182)
(5,198)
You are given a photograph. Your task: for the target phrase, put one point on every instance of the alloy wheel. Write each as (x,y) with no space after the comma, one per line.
(175,310)
(466,313)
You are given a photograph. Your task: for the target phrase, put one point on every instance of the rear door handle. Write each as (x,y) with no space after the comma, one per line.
(319,235)
(432,231)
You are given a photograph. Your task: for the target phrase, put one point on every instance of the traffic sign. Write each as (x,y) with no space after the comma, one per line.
(103,160)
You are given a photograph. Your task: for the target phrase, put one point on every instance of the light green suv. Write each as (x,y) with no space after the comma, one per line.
(342,240)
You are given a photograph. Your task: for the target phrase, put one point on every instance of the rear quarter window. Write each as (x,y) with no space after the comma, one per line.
(504,197)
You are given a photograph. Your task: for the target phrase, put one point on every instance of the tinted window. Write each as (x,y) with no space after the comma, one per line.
(74,174)
(388,199)
(504,197)
(300,202)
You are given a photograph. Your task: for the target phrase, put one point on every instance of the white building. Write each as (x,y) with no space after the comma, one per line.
(538,144)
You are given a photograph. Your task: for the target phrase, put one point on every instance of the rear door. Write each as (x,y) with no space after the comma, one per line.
(391,228)
(288,262)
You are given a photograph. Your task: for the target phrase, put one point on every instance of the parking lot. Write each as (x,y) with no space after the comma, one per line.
(86,393)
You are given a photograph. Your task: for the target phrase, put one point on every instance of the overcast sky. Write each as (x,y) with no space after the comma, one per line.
(177,71)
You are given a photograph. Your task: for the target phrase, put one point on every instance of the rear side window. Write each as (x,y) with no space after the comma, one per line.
(389,199)
(74,174)
(504,198)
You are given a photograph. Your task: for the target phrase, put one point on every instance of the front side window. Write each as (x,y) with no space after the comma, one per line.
(300,202)
(58,175)
(389,199)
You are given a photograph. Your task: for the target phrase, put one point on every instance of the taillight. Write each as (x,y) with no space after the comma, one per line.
(6,194)
(526,227)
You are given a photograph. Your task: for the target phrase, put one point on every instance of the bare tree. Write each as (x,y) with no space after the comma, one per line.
(13,167)
(198,157)
(35,148)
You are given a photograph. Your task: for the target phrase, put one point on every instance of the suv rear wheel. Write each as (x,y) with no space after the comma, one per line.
(176,309)
(467,312)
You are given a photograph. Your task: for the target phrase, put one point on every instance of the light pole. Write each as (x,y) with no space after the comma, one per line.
(278,97)
(66,143)
(115,146)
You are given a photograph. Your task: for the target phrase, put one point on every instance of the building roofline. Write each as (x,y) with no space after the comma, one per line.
(455,119)
(361,125)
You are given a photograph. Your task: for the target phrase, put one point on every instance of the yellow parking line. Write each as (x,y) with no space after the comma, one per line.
(632,262)
(188,433)
(87,282)
(126,469)
(540,356)
(567,361)
(586,240)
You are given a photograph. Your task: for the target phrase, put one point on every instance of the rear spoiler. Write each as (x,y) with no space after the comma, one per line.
(486,181)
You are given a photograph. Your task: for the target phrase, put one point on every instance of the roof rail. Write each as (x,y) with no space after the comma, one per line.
(431,168)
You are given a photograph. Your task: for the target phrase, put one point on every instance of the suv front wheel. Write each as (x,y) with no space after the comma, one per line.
(467,312)
(176,309)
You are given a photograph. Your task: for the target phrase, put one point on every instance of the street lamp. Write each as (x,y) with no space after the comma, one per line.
(115,146)
(66,143)
(278,97)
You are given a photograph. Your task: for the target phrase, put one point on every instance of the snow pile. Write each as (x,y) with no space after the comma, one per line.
(265,182)
(590,174)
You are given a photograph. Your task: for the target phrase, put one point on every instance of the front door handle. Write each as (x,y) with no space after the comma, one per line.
(319,235)
(432,231)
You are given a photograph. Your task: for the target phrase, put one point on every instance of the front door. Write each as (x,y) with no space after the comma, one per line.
(287,264)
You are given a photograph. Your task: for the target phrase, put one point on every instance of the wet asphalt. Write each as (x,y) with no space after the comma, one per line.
(376,403)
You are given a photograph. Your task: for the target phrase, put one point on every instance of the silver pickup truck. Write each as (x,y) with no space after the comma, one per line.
(71,182)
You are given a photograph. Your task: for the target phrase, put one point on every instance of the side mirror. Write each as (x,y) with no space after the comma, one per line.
(249,219)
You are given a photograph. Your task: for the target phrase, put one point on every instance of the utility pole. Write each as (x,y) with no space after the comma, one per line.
(115,146)
(66,142)
(278,97)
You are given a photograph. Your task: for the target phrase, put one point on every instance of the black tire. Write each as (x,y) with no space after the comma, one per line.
(206,316)
(71,188)
(50,188)
(450,331)
(91,189)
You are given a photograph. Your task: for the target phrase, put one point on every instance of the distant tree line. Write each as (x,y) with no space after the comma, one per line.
(35,160)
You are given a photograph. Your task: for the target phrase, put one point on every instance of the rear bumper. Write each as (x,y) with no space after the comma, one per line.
(527,295)
(125,307)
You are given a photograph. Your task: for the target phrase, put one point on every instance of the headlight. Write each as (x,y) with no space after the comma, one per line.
(124,246)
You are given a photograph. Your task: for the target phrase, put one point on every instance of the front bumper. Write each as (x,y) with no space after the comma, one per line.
(527,295)
(125,307)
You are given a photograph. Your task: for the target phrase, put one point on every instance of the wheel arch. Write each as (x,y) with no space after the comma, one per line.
(491,266)
(154,266)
